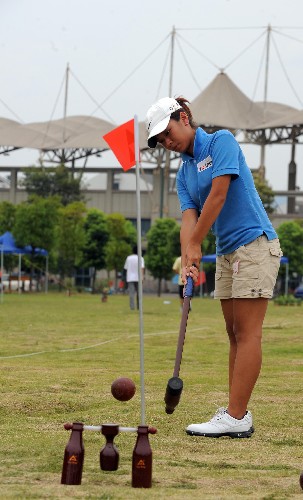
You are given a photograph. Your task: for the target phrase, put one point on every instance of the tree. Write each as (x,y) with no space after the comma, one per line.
(70,238)
(7,219)
(122,238)
(174,245)
(208,246)
(159,258)
(291,240)
(265,192)
(58,181)
(7,216)
(96,236)
(35,224)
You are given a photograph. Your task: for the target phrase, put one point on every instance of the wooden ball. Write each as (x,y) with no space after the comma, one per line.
(123,389)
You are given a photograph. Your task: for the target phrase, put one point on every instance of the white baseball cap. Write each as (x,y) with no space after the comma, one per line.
(158,116)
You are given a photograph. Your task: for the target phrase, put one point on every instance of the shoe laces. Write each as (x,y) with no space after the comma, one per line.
(219,413)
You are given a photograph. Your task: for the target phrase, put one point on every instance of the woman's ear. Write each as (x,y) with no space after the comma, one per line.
(184,118)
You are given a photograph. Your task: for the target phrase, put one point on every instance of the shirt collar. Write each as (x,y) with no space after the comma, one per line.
(199,138)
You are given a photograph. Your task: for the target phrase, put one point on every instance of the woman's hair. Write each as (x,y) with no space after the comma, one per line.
(176,114)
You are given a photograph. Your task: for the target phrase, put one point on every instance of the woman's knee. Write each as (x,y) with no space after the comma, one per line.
(244,334)
(231,334)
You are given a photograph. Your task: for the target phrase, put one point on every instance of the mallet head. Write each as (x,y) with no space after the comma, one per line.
(173,394)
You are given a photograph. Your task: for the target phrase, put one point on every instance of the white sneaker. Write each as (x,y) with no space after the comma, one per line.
(223,424)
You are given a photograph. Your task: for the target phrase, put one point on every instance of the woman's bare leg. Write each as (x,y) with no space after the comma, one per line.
(244,319)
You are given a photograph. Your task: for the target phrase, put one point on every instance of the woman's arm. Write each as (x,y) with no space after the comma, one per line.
(210,211)
(189,221)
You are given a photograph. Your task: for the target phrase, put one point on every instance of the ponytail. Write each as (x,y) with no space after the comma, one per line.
(184,104)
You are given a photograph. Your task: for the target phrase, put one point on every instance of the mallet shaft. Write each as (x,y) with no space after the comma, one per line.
(175,385)
(181,338)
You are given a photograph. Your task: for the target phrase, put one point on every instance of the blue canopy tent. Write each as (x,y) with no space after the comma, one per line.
(208,259)
(38,251)
(28,249)
(8,246)
(284,260)
(211,258)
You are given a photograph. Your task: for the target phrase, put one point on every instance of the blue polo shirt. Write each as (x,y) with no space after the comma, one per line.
(243,217)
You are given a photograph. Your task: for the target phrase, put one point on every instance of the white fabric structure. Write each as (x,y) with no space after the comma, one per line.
(220,105)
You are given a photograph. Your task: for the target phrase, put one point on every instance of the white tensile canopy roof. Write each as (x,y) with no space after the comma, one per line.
(71,132)
(220,105)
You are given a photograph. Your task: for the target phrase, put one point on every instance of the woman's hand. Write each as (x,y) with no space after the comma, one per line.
(192,271)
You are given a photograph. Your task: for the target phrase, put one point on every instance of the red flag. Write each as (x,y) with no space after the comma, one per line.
(201,279)
(121,140)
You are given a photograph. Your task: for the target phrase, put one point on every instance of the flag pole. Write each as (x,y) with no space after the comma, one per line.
(139,246)
(121,141)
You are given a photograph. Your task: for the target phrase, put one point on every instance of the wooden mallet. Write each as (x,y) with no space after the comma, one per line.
(175,384)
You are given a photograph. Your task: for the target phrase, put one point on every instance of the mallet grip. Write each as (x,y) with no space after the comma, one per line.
(188,293)
(189,287)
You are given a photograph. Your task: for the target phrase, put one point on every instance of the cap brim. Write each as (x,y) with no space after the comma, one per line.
(152,140)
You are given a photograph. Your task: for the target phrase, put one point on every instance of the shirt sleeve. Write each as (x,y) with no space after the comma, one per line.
(185,199)
(225,155)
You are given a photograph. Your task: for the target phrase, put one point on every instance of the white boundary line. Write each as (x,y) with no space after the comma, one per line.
(95,345)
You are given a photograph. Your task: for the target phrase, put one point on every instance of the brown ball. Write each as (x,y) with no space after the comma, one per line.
(123,389)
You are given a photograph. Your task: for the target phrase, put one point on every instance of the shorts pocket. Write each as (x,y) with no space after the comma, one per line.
(276,252)
(274,248)
(275,259)
(246,277)
(247,286)
(218,275)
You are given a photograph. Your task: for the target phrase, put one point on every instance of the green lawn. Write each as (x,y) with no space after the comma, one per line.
(59,356)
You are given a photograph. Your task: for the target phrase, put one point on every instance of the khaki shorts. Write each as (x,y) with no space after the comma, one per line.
(250,271)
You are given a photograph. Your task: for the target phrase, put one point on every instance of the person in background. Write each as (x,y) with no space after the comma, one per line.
(177,268)
(132,276)
(216,191)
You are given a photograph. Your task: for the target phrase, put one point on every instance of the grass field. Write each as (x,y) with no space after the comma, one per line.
(59,356)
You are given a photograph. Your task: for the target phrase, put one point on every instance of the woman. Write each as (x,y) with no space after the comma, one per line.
(216,191)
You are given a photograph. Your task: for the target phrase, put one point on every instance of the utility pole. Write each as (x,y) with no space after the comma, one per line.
(292,175)
(66,90)
(65,110)
(267,62)
(166,169)
(262,158)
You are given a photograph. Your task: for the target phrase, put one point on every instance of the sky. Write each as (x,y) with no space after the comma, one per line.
(119,55)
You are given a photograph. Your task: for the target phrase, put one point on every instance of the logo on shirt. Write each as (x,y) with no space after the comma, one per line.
(204,164)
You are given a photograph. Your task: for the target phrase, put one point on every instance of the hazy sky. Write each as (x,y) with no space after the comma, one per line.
(119,57)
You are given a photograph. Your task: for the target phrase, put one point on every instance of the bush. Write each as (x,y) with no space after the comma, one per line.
(287,300)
